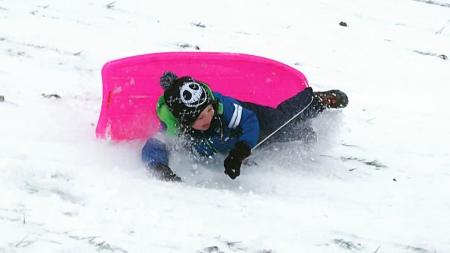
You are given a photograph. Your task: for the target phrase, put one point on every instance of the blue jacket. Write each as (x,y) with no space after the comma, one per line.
(236,124)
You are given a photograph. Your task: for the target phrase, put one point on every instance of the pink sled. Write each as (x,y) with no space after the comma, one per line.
(131,86)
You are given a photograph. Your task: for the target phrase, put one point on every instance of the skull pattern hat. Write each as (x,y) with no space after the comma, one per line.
(187,98)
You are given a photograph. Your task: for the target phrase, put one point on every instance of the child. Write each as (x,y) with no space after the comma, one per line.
(212,123)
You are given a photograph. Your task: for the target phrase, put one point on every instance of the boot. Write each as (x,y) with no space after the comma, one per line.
(332,98)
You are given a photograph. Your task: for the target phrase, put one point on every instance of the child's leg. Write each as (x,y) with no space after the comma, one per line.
(303,99)
(270,119)
(313,103)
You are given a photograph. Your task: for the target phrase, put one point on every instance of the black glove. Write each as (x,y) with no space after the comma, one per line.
(165,173)
(234,159)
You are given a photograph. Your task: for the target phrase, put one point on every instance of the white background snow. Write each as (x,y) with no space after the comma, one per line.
(377,180)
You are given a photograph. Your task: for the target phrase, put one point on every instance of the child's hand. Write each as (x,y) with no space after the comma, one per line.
(234,160)
(165,173)
(232,166)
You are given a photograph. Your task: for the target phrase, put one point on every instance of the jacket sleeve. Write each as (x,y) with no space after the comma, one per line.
(169,124)
(238,117)
(249,125)
(155,152)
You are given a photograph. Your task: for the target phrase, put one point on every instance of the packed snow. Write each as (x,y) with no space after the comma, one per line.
(377,180)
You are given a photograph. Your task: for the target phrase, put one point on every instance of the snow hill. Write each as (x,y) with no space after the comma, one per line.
(376,181)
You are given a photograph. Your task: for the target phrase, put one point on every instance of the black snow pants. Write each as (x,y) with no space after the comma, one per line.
(271,119)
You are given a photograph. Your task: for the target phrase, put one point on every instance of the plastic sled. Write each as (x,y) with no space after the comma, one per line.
(131,86)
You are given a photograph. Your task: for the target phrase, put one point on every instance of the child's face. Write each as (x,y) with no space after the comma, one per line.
(203,120)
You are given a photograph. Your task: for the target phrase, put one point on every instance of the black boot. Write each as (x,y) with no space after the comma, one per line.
(331,98)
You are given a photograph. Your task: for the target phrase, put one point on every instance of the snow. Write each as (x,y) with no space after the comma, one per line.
(377,180)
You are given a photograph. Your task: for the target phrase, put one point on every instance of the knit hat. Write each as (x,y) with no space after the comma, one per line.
(185,97)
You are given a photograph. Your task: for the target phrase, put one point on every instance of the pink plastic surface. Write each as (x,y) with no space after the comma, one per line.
(131,86)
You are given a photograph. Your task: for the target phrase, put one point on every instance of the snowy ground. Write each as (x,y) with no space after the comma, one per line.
(377,180)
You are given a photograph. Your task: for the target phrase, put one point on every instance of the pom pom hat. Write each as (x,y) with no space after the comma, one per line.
(185,97)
